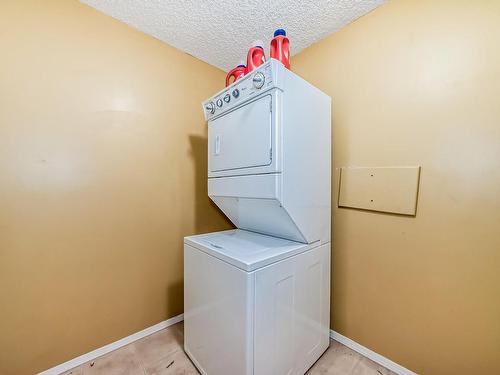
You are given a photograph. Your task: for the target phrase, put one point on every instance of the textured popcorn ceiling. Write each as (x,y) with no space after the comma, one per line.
(220,32)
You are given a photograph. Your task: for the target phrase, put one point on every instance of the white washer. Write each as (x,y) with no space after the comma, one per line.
(255,304)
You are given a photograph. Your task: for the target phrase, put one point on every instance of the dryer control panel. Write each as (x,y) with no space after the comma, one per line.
(247,87)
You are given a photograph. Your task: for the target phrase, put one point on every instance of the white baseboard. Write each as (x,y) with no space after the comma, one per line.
(375,357)
(110,347)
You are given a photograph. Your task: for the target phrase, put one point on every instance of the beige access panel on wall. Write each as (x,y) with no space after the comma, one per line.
(384,189)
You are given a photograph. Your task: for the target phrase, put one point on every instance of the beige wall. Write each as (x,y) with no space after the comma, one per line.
(102,172)
(103,164)
(418,83)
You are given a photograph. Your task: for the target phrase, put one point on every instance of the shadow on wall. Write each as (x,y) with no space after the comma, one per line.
(208,217)
(175,293)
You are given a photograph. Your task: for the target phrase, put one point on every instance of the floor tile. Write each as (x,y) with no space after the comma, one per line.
(162,354)
(120,362)
(159,345)
(180,326)
(177,363)
(338,360)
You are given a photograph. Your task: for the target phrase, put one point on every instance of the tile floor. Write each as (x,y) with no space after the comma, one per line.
(162,354)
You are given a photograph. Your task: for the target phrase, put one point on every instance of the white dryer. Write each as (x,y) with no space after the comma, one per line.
(257,298)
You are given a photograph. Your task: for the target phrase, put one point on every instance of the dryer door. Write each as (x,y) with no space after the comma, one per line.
(241,139)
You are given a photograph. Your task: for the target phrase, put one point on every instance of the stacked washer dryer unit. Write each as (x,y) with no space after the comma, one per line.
(257,298)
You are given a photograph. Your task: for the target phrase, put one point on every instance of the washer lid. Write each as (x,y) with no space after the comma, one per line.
(246,250)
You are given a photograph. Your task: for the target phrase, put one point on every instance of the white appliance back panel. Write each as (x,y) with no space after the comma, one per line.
(243,90)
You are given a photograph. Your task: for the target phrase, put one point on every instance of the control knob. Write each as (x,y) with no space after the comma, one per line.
(258,80)
(210,107)
(227,98)
(219,103)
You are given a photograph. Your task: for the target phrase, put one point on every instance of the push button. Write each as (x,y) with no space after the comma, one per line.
(236,93)
(219,103)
